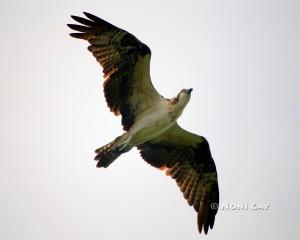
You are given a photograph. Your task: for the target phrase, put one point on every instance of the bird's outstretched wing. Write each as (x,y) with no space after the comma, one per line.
(186,158)
(126,66)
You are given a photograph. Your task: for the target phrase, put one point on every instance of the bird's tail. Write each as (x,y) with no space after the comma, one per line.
(111,151)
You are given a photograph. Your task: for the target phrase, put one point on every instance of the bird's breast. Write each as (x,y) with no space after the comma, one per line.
(150,124)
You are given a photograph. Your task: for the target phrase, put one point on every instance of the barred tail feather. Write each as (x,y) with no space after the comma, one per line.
(110,152)
(106,158)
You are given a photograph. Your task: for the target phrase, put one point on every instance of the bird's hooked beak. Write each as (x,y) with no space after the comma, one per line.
(189,90)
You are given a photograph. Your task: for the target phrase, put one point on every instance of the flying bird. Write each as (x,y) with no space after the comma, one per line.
(149,120)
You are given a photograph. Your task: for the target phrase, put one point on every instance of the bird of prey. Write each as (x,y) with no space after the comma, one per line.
(149,120)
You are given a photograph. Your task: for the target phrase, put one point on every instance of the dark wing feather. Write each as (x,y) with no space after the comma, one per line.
(187,159)
(126,66)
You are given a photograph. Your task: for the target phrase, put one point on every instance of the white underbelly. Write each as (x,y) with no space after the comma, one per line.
(149,125)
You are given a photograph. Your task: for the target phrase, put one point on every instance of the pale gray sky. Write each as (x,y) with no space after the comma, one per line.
(242,59)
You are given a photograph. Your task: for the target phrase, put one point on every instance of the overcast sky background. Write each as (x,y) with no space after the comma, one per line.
(242,59)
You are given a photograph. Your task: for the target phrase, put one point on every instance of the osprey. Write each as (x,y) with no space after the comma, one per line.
(149,120)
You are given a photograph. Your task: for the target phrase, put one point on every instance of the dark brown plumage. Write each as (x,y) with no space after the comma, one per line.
(129,91)
(117,51)
(187,159)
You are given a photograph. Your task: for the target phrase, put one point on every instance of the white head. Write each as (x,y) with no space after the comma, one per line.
(184,97)
(178,103)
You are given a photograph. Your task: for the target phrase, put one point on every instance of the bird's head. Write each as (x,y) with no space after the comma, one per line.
(184,96)
(178,103)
